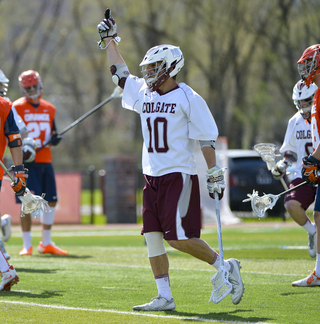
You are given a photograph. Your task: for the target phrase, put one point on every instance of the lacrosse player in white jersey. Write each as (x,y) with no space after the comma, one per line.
(173,119)
(297,144)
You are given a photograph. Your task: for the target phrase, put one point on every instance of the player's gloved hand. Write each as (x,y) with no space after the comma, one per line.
(28,149)
(20,179)
(107,28)
(215,181)
(280,169)
(55,139)
(309,172)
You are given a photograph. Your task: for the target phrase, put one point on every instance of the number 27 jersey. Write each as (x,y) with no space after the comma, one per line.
(39,122)
(171,125)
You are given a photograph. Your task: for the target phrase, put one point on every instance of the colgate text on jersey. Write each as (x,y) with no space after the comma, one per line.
(302,134)
(152,107)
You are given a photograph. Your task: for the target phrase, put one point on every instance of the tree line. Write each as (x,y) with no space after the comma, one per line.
(240,56)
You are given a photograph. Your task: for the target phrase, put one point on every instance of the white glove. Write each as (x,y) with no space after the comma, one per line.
(28,149)
(280,169)
(215,181)
(107,28)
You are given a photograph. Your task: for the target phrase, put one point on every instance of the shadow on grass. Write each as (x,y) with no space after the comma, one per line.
(68,256)
(301,292)
(46,271)
(226,316)
(44,294)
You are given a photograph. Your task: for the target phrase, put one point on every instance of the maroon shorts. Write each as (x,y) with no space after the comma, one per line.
(171,205)
(305,194)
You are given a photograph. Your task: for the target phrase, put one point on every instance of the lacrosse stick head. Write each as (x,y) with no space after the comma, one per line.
(32,203)
(221,285)
(261,204)
(267,153)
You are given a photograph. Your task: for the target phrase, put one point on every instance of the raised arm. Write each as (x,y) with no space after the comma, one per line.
(109,39)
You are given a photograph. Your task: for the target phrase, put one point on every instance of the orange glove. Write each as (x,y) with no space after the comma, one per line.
(309,172)
(20,180)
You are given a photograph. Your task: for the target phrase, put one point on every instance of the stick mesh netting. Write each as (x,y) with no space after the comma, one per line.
(32,203)
(261,204)
(267,153)
(221,286)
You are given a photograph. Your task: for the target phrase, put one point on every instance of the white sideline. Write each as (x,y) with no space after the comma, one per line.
(124,313)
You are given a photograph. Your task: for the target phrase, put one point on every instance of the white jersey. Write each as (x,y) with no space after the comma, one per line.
(298,140)
(171,125)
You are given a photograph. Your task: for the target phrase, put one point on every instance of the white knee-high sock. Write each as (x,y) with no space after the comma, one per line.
(309,226)
(26,237)
(46,237)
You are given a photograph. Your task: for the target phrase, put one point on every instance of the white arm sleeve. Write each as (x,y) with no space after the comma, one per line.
(289,138)
(20,123)
(202,125)
(131,92)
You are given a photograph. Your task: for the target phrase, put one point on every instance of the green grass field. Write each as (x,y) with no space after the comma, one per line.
(107,272)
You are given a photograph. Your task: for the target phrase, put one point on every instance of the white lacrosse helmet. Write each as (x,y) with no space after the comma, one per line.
(302,97)
(28,149)
(169,61)
(3,84)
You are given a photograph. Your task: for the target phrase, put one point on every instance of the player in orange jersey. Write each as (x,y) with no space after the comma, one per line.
(6,219)
(9,133)
(309,69)
(39,115)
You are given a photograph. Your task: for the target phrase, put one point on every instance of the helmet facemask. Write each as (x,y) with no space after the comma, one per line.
(307,69)
(154,74)
(304,107)
(302,97)
(33,92)
(3,89)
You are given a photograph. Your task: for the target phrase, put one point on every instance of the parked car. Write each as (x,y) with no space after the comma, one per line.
(247,171)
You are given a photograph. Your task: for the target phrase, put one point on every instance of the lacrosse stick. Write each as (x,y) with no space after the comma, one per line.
(261,204)
(117,93)
(221,285)
(267,153)
(30,203)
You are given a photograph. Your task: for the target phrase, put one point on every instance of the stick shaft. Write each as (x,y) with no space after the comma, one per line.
(6,171)
(293,188)
(216,199)
(90,112)
(283,184)
(115,94)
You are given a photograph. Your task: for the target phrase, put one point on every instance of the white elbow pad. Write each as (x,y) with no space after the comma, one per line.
(119,72)
(208,144)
